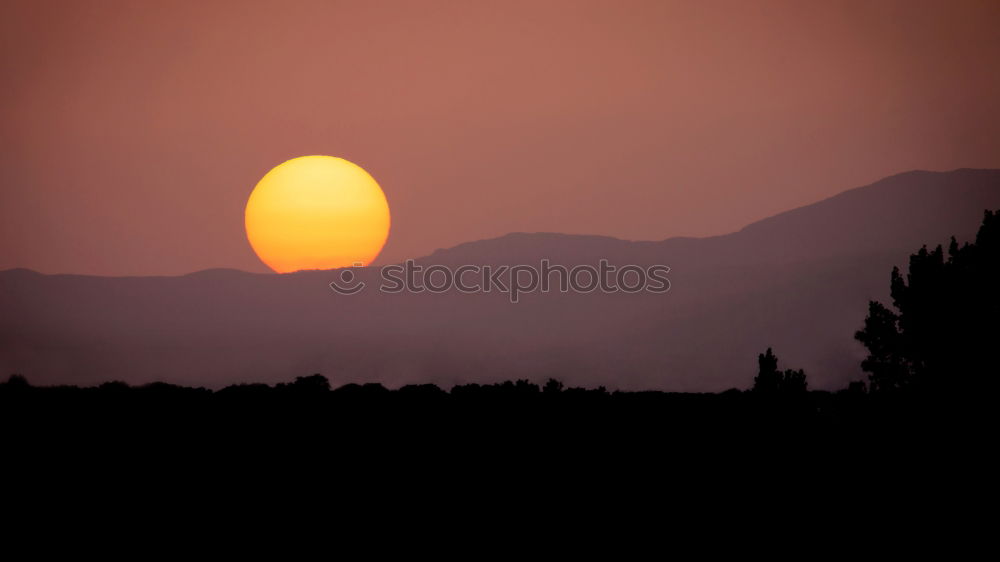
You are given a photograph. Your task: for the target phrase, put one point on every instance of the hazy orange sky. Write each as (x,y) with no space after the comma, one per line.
(133,132)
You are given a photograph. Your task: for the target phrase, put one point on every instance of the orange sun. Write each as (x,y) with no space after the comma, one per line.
(317,212)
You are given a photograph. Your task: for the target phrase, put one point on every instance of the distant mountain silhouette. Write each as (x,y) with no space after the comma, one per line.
(799,282)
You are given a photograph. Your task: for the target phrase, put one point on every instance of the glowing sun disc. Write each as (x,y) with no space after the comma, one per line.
(317,212)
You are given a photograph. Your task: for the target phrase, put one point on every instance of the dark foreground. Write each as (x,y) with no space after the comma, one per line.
(508,421)
(485,448)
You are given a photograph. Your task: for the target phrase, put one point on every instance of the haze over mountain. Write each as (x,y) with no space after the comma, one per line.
(798,282)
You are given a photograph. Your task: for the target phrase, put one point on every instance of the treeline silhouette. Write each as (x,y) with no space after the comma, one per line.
(507,415)
(940,336)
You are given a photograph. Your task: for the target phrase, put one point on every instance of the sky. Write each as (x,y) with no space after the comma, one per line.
(132,133)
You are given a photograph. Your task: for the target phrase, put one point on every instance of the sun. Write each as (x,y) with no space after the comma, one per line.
(317,212)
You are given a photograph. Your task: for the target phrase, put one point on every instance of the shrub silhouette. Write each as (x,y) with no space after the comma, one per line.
(940,335)
(18,382)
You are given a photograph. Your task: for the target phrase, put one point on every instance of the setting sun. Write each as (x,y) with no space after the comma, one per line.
(317,212)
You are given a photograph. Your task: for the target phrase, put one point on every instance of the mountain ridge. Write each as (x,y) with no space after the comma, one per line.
(531,237)
(799,282)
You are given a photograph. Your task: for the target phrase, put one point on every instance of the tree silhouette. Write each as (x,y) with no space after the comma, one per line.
(885,364)
(552,386)
(794,381)
(312,383)
(770,380)
(17,382)
(941,334)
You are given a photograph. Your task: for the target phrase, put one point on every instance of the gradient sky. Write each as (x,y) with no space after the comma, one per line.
(133,132)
